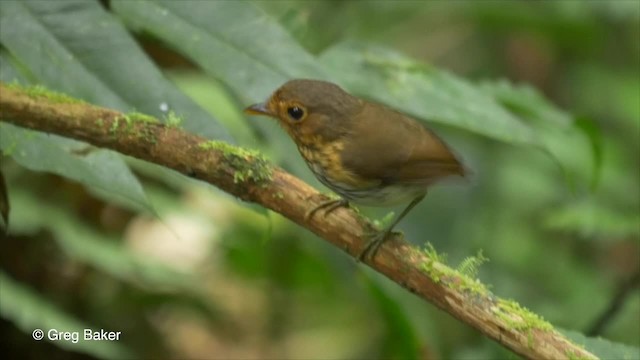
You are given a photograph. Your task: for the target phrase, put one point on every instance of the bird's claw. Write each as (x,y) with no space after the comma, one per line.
(373,244)
(329,206)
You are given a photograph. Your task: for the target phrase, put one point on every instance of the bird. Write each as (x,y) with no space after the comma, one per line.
(367,153)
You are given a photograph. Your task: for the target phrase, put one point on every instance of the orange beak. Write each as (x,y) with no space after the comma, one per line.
(258,109)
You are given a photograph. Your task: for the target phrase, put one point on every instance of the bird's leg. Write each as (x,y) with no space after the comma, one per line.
(376,240)
(328,205)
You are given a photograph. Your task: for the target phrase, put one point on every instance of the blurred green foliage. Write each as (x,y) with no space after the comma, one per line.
(541,99)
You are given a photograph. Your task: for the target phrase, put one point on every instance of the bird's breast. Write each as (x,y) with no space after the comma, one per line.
(325,161)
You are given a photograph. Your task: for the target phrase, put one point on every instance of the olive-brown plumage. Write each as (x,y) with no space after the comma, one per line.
(366,152)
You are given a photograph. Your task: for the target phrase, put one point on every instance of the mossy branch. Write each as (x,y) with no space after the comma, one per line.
(248,176)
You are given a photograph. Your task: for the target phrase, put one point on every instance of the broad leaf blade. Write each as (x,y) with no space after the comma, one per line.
(234,41)
(103,170)
(603,348)
(92,167)
(78,48)
(577,146)
(9,72)
(48,59)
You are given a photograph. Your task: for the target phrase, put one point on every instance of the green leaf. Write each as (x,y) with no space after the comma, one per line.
(95,168)
(422,91)
(576,145)
(602,348)
(30,311)
(596,139)
(228,39)
(9,69)
(526,100)
(214,97)
(78,48)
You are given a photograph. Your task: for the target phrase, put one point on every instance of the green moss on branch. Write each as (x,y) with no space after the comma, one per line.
(249,165)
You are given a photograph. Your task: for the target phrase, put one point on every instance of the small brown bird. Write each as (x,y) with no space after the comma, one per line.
(366,152)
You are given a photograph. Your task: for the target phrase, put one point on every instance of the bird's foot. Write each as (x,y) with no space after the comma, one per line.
(328,205)
(375,240)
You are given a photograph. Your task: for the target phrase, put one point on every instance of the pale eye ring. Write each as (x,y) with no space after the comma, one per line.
(295,112)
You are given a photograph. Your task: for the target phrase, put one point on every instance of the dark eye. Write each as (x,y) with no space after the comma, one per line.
(295,112)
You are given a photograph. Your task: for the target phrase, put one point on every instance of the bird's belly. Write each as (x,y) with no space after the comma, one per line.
(327,167)
(377,195)
(384,196)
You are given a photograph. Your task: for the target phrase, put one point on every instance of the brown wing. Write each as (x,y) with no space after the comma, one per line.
(393,147)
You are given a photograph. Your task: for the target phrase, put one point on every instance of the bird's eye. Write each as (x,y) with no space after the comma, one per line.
(295,112)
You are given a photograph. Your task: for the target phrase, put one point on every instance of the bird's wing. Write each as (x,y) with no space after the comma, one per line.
(392,147)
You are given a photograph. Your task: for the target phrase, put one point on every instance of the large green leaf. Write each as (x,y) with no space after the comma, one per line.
(8,69)
(95,168)
(30,311)
(102,170)
(76,47)
(234,41)
(603,348)
(576,145)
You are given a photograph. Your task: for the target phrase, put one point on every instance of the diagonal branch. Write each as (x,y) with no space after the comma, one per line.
(248,176)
